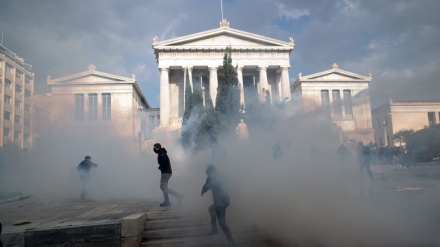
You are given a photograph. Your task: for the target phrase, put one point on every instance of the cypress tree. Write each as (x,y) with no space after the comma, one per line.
(228,93)
(186,127)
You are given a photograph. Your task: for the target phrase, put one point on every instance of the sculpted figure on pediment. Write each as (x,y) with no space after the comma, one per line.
(291,41)
(224,23)
(92,67)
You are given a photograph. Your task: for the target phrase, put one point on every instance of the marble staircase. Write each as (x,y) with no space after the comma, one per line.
(176,228)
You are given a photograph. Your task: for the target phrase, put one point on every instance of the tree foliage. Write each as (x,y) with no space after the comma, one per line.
(425,143)
(228,94)
(402,135)
(192,116)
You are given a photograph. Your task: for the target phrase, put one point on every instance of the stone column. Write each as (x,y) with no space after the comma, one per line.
(240,81)
(279,87)
(184,87)
(164,97)
(342,103)
(213,84)
(285,84)
(263,81)
(190,79)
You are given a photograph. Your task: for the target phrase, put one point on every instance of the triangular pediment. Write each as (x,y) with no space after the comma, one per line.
(90,77)
(223,37)
(335,74)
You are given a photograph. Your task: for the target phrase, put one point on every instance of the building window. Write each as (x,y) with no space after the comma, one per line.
(7,132)
(325,100)
(27,93)
(27,108)
(93,106)
(9,69)
(7,99)
(26,137)
(27,80)
(337,111)
(17,119)
(8,84)
(7,115)
(106,106)
(17,88)
(18,75)
(431,119)
(348,105)
(26,122)
(18,104)
(79,107)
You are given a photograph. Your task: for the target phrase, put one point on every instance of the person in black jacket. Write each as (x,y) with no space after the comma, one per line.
(83,170)
(218,184)
(166,172)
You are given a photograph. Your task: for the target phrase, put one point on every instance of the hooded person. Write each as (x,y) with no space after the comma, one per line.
(219,186)
(166,172)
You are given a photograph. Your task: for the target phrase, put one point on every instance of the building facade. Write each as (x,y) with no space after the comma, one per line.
(262,65)
(16,103)
(394,116)
(99,105)
(343,96)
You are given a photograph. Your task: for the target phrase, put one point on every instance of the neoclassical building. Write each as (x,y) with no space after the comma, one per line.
(399,115)
(100,105)
(262,64)
(343,95)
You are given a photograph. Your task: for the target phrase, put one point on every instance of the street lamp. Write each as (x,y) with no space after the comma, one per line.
(385,138)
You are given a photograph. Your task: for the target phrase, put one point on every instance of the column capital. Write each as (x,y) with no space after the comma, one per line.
(213,68)
(262,67)
(164,69)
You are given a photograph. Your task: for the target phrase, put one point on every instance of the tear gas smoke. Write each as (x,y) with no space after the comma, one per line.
(303,198)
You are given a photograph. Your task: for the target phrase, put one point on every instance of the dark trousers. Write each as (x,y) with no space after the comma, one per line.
(219,212)
(85,177)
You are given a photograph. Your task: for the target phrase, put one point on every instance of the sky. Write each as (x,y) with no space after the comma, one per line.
(397,41)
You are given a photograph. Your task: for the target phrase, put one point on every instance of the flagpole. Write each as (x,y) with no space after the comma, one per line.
(221,6)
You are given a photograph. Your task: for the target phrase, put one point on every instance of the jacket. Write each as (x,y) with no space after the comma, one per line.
(163,161)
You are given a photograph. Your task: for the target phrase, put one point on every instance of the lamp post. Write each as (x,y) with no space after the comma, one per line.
(385,138)
(203,95)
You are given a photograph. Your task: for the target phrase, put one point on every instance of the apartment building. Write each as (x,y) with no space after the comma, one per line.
(16,104)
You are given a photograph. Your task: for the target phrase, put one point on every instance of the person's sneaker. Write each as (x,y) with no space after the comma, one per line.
(180,199)
(165,204)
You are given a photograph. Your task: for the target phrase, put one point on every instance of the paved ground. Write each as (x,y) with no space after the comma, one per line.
(45,212)
(46,220)
(38,213)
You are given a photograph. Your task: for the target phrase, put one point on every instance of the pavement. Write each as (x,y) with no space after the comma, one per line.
(32,219)
(47,220)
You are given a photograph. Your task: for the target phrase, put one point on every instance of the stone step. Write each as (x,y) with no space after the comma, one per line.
(169,228)
(176,232)
(175,222)
(168,214)
(242,239)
